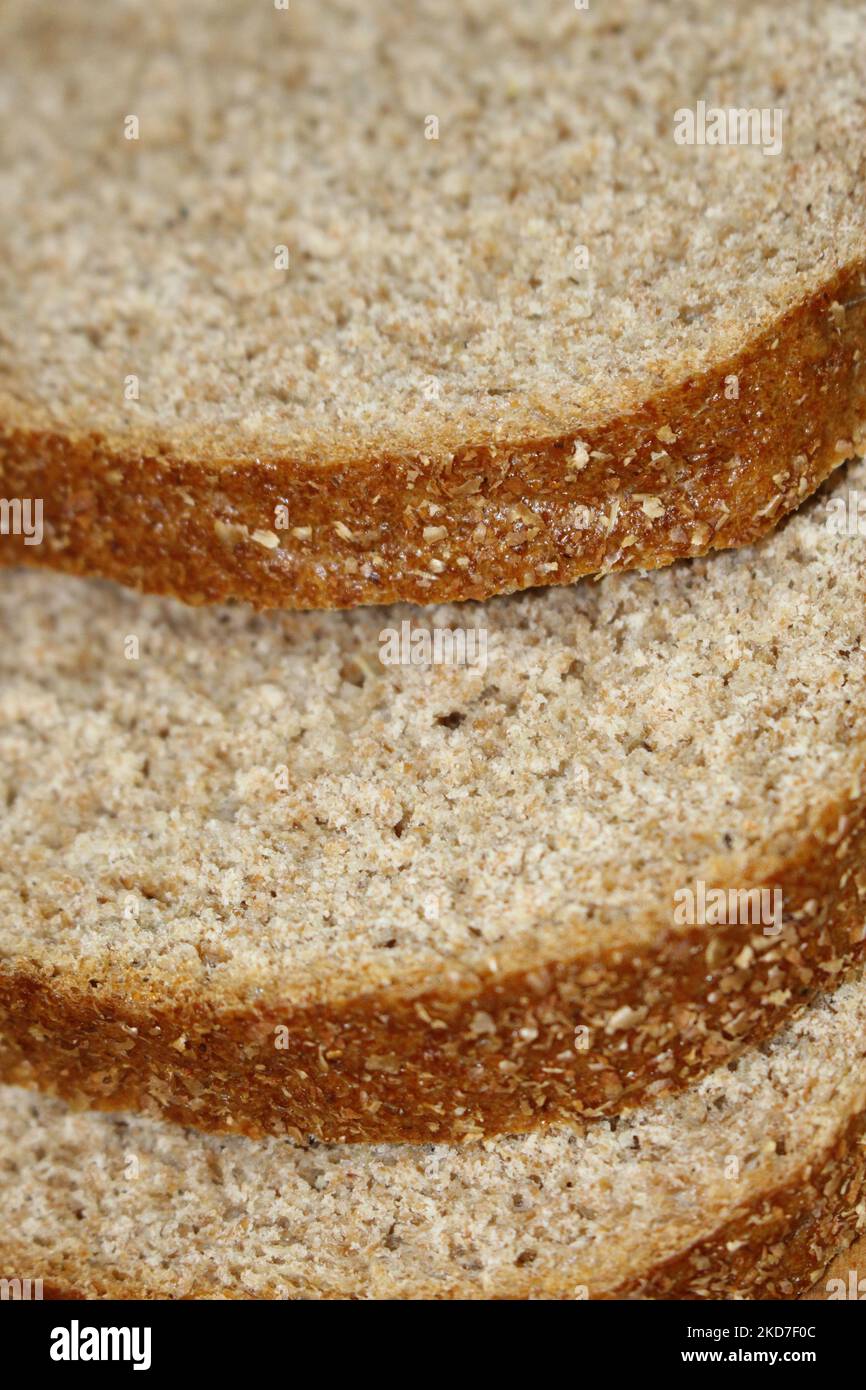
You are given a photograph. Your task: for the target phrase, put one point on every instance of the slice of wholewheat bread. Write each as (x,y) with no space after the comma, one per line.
(746,1185)
(338,304)
(255,878)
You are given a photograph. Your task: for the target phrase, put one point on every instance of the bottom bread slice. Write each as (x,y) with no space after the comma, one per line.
(746,1185)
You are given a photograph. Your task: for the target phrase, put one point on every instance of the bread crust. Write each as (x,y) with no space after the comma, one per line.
(456,1061)
(851,1260)
(720,471)
(775,1247)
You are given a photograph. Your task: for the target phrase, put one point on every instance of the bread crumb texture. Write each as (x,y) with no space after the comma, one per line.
(254,877)
(274,283)
(745,1186)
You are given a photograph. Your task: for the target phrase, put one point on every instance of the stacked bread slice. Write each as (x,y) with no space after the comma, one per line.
(507,946)
(746,1184)
(323,305)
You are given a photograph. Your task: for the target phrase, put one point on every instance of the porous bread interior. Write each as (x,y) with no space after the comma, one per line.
(95,1198)
(433,298)
(256,807)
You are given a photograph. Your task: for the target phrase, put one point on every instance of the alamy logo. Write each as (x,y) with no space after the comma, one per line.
(716,125)
(718,907)
(846,516)
(854,1289)
(77,1343)
(437,646)
(20,1290)
(22,516)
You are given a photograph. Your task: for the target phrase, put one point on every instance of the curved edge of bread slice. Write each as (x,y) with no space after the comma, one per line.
(745,1186)
(703,466)
(390,1068)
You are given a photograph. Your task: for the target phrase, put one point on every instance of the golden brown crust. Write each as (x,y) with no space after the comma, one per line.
(440,1065)
(721,470)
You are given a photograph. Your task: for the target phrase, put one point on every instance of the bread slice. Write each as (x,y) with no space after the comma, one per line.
(745,1186)
(522,334)
(255,878)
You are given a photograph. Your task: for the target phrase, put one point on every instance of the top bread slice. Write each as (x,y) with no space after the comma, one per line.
(745,1186)
(254,877)
(340,304)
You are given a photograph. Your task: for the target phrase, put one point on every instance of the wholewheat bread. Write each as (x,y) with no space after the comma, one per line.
(263,336)
(745,1186)
(254,878)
